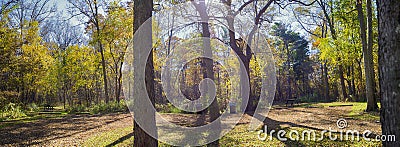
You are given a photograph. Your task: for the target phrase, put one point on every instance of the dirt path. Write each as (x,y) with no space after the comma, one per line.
(67,131)
(73,130)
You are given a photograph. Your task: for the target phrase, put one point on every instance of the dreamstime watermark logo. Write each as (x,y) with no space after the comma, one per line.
(341,123)
(185,45)
(331,134)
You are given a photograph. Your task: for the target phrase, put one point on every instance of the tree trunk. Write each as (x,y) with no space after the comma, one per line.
(360,87)
(349,84)
(324,67)
(208,65)
(103,61)
(289,80)
(371,85)
(251,106)
(353,87)
(119,83)
(368,61)
(244,90)
(342,83)
(389,67)
(143,11)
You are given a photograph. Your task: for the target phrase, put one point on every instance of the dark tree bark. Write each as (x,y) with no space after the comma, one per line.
(368,59)
(389,67)
(143,11)
(207,64)
(342,80)
(251,105)
(350,84)
(325,81)
(353,87)
(360,87)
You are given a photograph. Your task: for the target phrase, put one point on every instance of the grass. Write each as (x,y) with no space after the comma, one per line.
(30,118)
(357,111)
(239,136)
(118,137)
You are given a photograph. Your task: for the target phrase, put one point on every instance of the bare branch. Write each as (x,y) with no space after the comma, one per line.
(301,24)
(242,7)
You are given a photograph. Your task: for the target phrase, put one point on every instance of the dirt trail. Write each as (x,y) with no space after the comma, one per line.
(75,129)
(67,131)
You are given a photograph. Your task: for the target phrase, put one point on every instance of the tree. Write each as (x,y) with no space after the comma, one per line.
(372,102)
(117,36)
(244,50)
(294,49)
(389,67)
(90,10)
(207,65)
(368,58)
(143,11)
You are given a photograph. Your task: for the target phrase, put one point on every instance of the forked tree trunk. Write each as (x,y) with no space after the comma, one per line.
(208,65)
(389,68)
(368,61)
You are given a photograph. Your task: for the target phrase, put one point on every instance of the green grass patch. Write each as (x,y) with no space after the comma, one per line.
(30,118)
(357,110)
(241,136)
(117,137)
(167,108)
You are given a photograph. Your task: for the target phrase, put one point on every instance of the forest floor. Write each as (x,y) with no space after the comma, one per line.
(116,129)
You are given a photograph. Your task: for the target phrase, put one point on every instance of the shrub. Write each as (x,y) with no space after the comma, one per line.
(7,97)
(76,108)
(12,111)
(32,108)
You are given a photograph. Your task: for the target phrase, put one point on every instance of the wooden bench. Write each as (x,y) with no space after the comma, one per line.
(48,107)
(291,101)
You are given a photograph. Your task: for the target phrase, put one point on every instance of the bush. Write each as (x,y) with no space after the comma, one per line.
(12,111)
(9,107)
(76,109)
(7,97)
(32,108)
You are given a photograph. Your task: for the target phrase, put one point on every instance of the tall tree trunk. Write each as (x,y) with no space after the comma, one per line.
(350,85)
(233,44)
(330,23)
(353,88)
(143,11)
(103,60)
(119,83)
(389,67)
(278,93)
(368,59)
(360,87)
(372,103)
(208,65)
(289,79)
(324,31)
